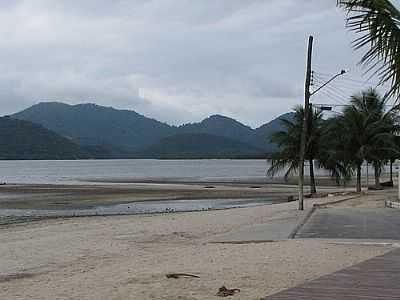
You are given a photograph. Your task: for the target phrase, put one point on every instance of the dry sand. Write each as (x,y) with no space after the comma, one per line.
(128,257)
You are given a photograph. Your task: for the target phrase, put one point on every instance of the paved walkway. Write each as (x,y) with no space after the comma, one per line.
(260,233)
(353,223)
(277,229)
(375,279)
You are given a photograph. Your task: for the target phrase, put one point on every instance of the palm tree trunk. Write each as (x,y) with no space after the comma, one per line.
(391,170)
(358,188)
(312,178)
(377,175)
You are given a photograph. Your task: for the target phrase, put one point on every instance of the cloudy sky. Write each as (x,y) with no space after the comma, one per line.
(174,60)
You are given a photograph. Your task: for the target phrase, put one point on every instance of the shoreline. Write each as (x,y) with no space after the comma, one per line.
(133,198)
(89,196)
(162,207)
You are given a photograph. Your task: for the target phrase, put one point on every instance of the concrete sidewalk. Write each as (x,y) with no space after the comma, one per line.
(326,223)
(276,230)
(353,223)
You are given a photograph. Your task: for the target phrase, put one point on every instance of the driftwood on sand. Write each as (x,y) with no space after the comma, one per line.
(224,292)
(179,275)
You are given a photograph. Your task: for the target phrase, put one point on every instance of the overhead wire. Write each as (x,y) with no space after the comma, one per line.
(333,97)
(342,88)
(346,78)
(330,91)
(343,96)
(345,85)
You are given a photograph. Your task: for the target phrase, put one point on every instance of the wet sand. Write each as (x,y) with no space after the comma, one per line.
(84,196)
(89,196)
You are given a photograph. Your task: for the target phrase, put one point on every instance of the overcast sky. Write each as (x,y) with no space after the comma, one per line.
(174,60)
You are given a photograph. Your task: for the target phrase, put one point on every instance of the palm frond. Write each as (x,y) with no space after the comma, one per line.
(378,23)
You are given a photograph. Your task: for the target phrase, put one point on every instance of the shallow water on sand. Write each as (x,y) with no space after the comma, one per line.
(146,207)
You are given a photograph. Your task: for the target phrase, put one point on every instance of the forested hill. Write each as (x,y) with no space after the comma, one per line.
(25,140)
(91,124)
(115,133)
(200,145)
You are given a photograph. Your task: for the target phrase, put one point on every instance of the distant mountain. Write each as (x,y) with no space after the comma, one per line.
(263,133)
(230,128)
(123,131)
(220,126)
(200,145)
(108,132)
(25,140)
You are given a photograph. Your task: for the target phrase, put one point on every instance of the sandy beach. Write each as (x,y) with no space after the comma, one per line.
(128,257)
(199,150)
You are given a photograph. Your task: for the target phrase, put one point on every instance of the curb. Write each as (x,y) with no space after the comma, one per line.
(292,235)
(313,209)
(337,201)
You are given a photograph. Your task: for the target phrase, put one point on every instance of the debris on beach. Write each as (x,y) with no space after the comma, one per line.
(179,275)
(225,292)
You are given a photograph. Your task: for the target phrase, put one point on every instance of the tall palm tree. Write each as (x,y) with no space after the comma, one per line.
(378,22)
(349,133)
(333,152)
(371,104)
(288,141)
(363,132)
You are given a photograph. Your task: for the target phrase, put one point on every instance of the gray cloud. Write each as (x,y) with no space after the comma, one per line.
(176,60)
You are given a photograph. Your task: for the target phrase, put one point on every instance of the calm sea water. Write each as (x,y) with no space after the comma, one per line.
(83,171)
(79,171)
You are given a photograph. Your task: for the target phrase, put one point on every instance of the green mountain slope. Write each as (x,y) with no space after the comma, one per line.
(110,133)
(25,140)
(221,126)
(200,145)
(90,124)
(263,133)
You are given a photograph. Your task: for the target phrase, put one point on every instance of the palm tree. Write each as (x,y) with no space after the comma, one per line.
(349,139)
(288,141)
(333,152)
(371,104)
(363,132)
(378,23)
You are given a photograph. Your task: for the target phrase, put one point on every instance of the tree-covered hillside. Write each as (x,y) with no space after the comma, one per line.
(91,124)
(111,133)
(25,140)
(200,146)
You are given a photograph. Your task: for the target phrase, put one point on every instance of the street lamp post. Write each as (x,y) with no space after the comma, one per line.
(342,72)
(307,108)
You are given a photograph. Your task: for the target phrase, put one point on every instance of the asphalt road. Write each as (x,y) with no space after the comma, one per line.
(353,223)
